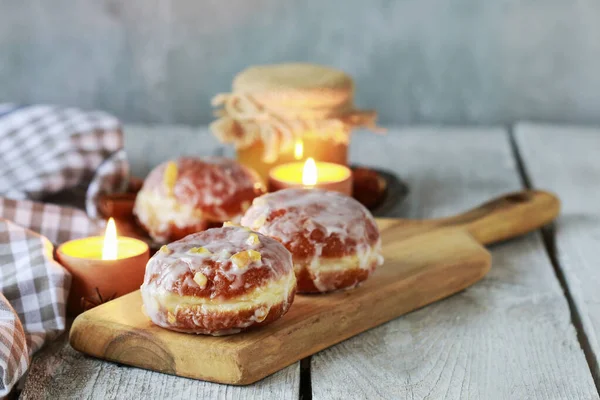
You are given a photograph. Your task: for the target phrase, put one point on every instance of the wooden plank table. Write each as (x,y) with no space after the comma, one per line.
(566,160)
(518,334)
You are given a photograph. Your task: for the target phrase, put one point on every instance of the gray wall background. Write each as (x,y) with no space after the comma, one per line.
(415,61)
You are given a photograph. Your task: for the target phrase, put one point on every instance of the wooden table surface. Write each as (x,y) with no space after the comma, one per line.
(528,330)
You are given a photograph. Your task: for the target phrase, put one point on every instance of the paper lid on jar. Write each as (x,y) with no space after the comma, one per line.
(298,90)
(279,103)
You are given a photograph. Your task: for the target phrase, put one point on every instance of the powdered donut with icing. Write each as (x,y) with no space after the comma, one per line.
(334,240)
(219,281)
(188,195)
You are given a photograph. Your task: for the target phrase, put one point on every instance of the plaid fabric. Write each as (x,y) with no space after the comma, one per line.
(36,287)
(45,150)
(14,356)
(58,224)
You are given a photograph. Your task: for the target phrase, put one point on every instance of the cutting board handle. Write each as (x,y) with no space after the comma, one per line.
(508,216)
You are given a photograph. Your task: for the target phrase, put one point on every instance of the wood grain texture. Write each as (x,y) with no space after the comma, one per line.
(59,372)
(565,159)
(410,278)
(503,218)
(509,336)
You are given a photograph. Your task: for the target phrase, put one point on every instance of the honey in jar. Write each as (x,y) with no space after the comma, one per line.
(275,110)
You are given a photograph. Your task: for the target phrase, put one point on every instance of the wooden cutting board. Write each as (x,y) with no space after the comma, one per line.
(425,261)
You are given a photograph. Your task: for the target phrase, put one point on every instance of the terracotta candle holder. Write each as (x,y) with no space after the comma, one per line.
(120,205)
(311,174)
(97,280)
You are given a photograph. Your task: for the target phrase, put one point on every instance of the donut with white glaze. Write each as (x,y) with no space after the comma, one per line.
(188,195)
(219,281)
(334,240)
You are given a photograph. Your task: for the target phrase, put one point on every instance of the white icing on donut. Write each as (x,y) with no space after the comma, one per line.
(320,266)
(221,183)
(169,284)
(221,244)
(157,212)
(293,214)
(195,191)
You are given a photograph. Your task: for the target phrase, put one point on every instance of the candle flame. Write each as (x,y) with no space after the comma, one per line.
(109,250)
(309,173)
(298,149)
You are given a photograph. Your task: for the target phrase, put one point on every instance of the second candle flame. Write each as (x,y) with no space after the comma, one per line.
(109,249)
(309,173)
(298,149)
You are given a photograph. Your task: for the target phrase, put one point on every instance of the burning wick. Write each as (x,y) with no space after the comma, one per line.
(309,173)
(109,249)
(298,149)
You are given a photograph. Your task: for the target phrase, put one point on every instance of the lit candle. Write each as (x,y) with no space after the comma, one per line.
(311,174)
(299,149)
(102,268)
(327,148)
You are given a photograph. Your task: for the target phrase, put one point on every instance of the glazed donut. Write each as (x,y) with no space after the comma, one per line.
(334,240)
(218,282)
(189,195)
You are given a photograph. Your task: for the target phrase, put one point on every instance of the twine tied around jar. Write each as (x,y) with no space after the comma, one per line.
(244,120)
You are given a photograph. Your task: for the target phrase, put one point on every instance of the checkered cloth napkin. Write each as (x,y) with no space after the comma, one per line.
(46,151)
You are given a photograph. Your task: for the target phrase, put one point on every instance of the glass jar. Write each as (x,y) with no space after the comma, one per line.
(319,147)
(273,107)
